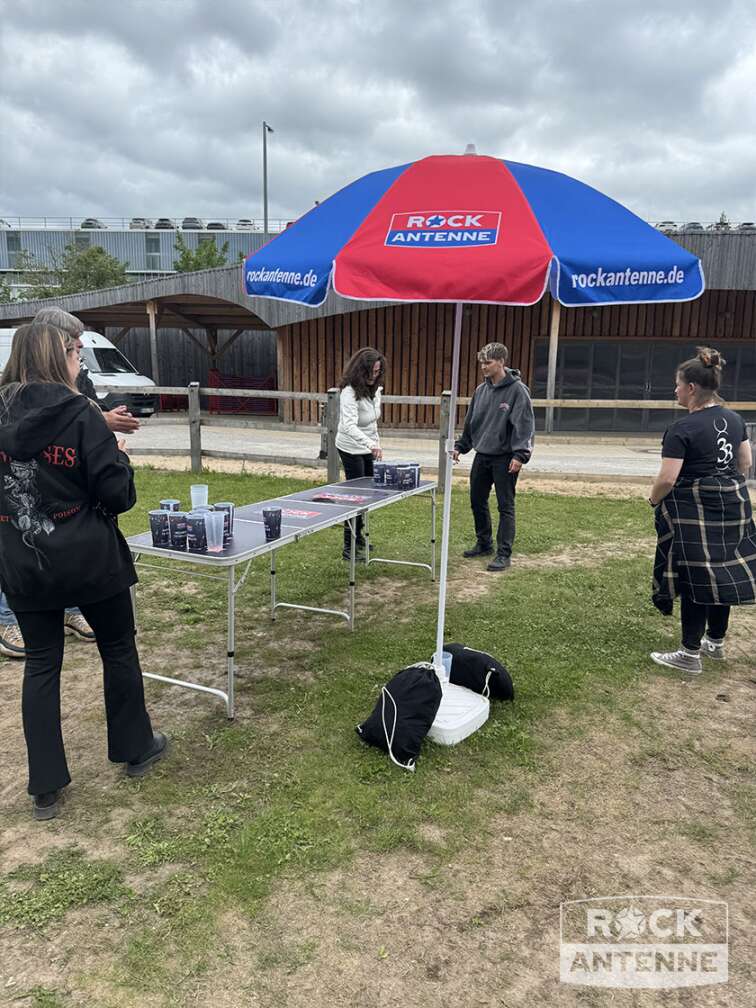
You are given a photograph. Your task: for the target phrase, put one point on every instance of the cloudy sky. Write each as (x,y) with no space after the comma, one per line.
(153,107)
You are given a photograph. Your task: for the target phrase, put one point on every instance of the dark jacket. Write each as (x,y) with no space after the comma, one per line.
(500,419)
(62,481)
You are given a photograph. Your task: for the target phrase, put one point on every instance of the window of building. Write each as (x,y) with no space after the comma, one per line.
(13,239)
(152,251)
(632,369)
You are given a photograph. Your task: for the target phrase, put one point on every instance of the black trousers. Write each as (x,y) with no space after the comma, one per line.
(129,728)
(488,471)
(696,618)
(355,466)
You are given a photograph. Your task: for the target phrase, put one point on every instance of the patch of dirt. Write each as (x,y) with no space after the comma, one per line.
(616,812)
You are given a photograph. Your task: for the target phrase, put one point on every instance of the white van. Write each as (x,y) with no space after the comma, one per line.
(106,366)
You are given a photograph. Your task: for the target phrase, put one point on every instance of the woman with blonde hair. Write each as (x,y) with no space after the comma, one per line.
(63,479)
(706,549)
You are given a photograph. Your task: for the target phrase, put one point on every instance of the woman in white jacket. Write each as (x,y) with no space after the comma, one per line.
(357,434)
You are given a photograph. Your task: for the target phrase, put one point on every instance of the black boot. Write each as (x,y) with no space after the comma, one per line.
(499,563)
(479,549)
(139,766)
(46,806)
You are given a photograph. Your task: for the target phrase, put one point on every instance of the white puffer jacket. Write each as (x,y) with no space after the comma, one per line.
(357,433)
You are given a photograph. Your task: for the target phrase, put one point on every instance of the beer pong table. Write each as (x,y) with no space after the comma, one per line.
(301,516)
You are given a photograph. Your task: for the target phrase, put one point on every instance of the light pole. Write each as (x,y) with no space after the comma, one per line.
(266,129)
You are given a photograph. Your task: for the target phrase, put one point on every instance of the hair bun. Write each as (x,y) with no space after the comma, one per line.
(710,358)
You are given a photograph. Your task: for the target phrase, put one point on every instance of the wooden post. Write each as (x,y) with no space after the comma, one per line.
(332,423)
(152,315)
(551,376)
(443,430)
(195,435)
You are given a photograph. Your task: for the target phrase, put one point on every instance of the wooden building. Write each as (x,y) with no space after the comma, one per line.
(624,352)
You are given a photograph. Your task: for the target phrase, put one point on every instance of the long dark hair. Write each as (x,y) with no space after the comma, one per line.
(359,371)
(704,370)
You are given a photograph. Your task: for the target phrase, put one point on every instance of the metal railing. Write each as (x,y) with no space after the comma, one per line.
(329,414)
(123,223)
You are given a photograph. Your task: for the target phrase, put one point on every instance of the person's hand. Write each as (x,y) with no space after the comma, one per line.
(122,445)
(515,465)
(377,453)
(120,421)
(455,455)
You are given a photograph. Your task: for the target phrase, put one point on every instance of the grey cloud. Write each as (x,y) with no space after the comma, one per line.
(137,107)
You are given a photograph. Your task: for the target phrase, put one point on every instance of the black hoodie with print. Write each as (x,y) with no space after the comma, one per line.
(62,481)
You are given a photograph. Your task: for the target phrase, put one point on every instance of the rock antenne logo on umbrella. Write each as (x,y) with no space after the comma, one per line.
(444,229)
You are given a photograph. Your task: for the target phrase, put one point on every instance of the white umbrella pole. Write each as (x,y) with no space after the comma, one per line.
(446,514)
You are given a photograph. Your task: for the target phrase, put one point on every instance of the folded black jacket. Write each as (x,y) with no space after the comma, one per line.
(62,481)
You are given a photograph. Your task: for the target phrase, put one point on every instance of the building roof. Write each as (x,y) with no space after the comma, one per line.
(215,297)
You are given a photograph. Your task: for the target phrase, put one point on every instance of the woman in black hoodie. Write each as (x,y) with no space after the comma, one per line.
(63,479)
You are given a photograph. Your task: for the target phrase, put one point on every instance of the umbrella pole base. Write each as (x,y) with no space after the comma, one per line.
(461,713)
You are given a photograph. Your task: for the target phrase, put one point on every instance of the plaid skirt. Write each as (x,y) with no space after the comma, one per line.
(706,544)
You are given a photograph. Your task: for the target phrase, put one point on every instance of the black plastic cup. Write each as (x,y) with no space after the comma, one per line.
(159,527)
(272,519)
(391,474)
(228,522)
(196,533)
(170,504)
(177,524)
(379,471)
(405,477)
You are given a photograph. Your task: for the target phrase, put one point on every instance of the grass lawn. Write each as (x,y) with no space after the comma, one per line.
(265,861)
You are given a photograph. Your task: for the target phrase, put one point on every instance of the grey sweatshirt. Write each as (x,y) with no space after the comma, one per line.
(500,419)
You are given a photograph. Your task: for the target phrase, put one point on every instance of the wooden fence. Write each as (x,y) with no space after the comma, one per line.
(328,405)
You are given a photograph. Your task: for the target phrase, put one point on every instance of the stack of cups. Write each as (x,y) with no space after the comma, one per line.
(227,508)
(391,474)
(177,527)
(159,527)
(196,532)
(379,471)
(170,504)
(214,523)
(199,495)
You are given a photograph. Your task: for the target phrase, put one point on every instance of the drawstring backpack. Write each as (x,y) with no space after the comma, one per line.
(403,715)
(480,672)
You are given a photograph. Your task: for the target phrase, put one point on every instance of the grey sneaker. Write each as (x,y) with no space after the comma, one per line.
(681,659)
(11,642)
(713,648)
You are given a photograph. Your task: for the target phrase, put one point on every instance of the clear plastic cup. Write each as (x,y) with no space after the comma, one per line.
(214,523)
(443,668)
(199,495)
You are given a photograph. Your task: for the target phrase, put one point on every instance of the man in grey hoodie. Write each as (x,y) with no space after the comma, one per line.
(500,426)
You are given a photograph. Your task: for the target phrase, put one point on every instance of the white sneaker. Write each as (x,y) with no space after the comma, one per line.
(713,649)
(74,623)
(681,659)
(11,642)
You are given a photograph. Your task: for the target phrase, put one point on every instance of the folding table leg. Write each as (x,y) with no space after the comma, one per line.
(366,533)
(231,640)
(352,569)
(433,535)
(273,586)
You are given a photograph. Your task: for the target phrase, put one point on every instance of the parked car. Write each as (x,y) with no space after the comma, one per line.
(244,225)
(215,225)
(747,226)
(667,226)
(693,226)
(139,224)
(92,224)
(165,224)
(192,224)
